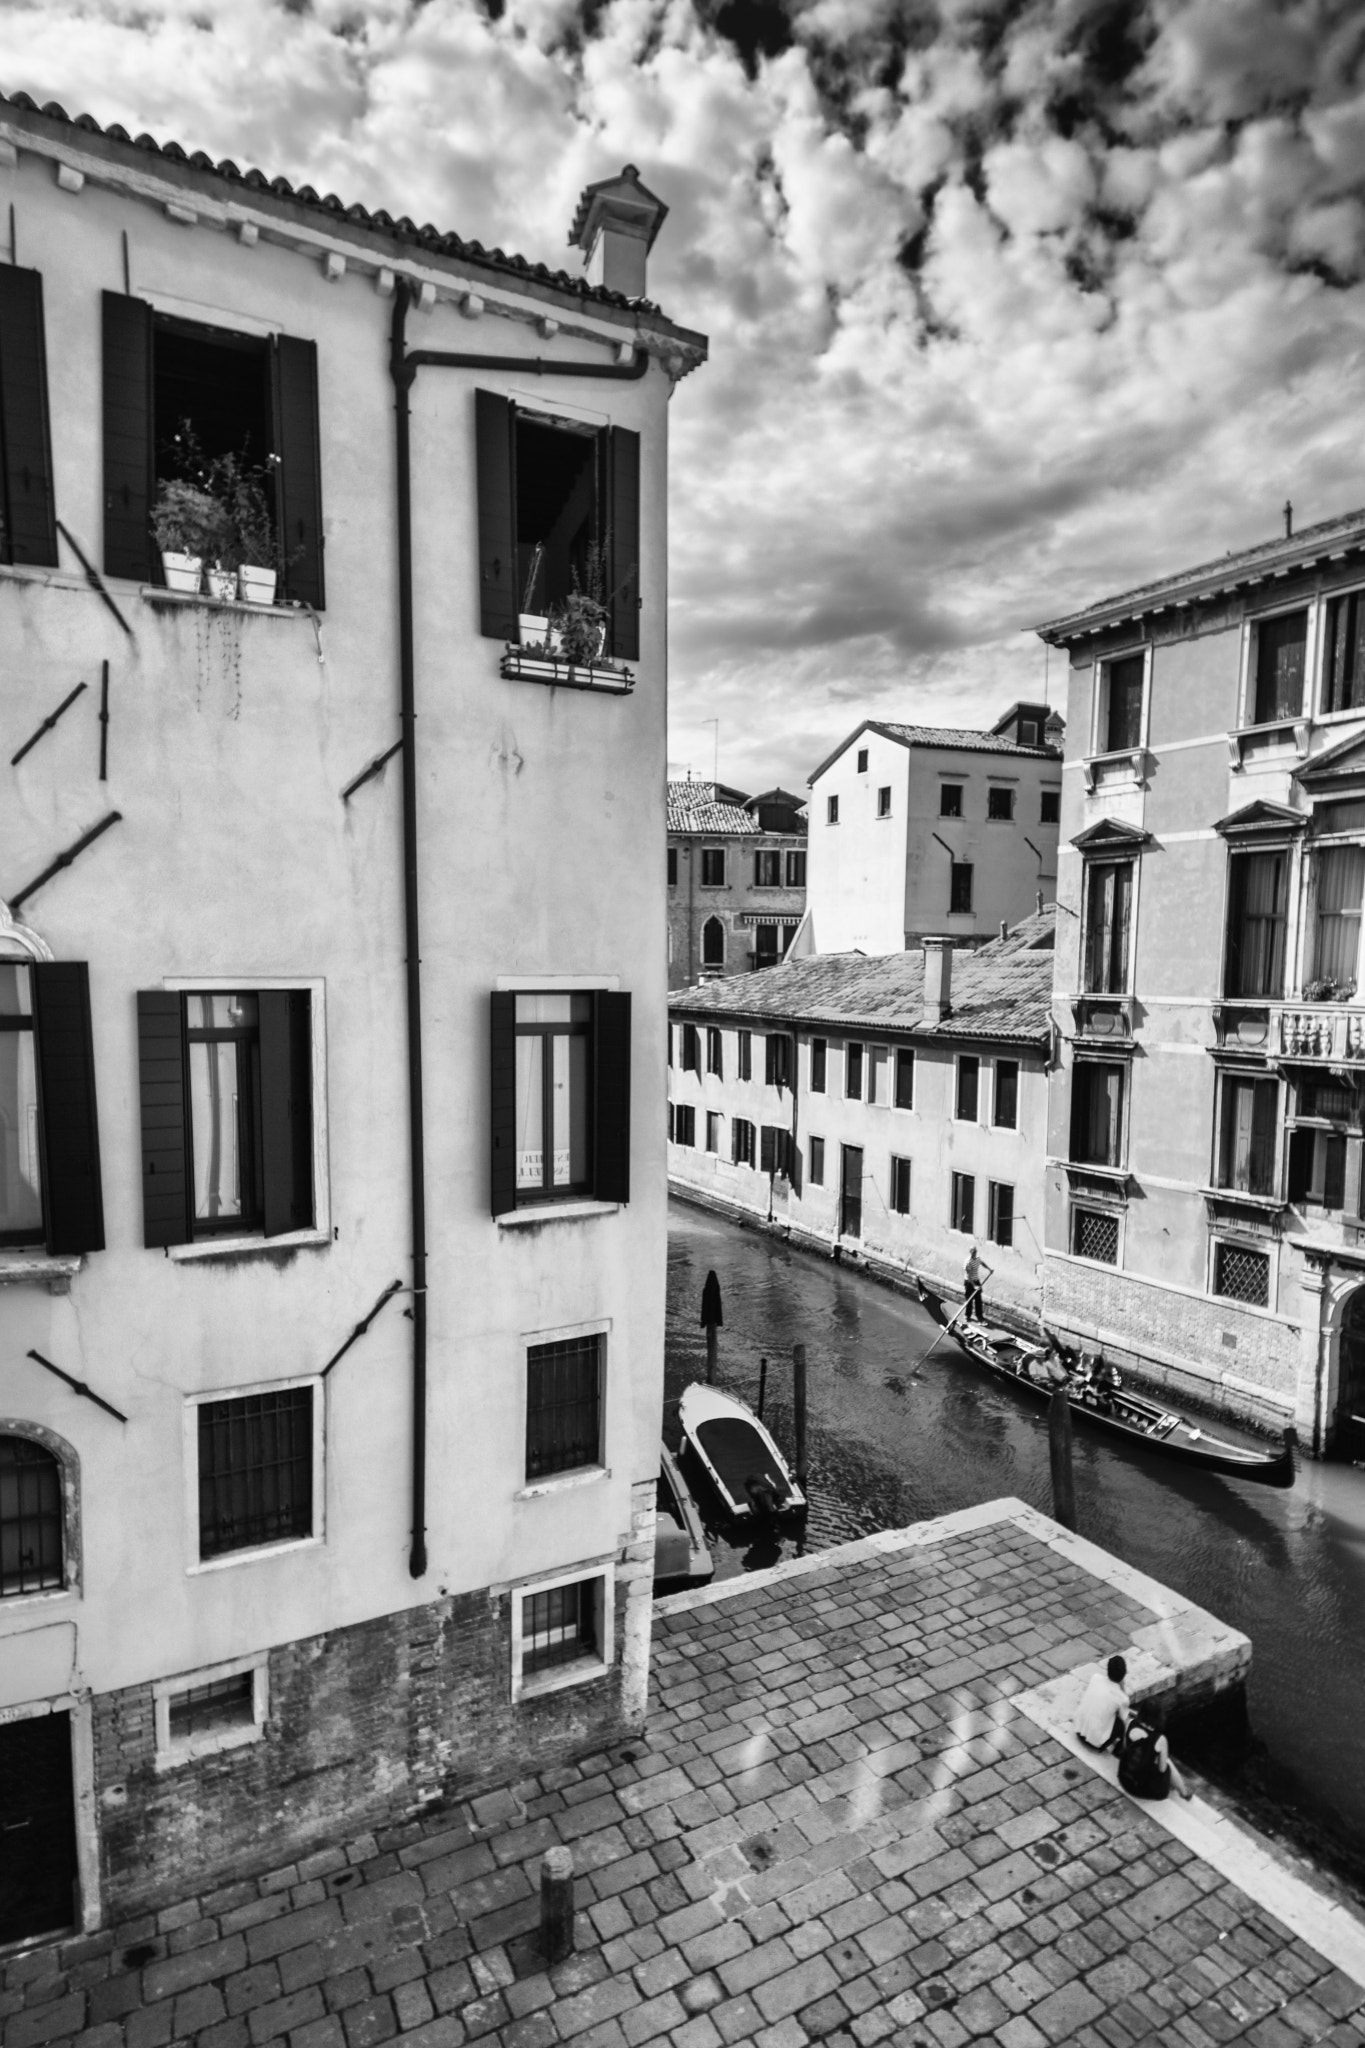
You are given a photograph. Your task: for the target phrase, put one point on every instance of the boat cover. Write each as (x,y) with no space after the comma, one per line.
(738,1453)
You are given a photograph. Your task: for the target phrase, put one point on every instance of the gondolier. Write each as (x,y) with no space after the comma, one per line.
(975,1274)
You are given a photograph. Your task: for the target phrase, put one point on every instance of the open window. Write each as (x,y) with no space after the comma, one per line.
(50,1193)
(556,496)
(28,528)
(254,397)
(1279,655)
(1119,711)
(560,1097)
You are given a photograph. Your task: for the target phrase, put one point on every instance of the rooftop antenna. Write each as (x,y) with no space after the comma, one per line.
(1288,520)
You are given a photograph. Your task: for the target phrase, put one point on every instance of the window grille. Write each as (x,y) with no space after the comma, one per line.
(1242,1274)
(30,1518)
(1095,1235)
(224,1703)
(255,1470)
(563,1405)
(559,1626)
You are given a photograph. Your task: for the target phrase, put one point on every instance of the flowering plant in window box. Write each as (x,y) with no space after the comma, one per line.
(189,524)
(1326,990)
(250,556)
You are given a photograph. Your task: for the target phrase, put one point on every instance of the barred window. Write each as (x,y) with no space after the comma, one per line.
(255,1470)
(205,1709)
(1242,1274)
(30,1518)
(559,1626)
(563,1405)
(1095,1235)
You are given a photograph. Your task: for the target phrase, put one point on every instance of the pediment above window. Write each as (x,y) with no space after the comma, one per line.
(1261,820)
(1111,835)
(1341,767)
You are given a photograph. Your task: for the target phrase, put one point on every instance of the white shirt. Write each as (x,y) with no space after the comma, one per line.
(1100,1702)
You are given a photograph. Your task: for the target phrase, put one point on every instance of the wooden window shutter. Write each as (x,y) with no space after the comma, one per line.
(624,517)
(286,1109)
(70,1129)
(498,602)
(128,454)
(30,533)
(161,1073)
(503,1041)
(294,377)
(767,1156)
(611,1097)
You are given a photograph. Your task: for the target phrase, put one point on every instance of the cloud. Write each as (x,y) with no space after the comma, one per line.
(1011,302)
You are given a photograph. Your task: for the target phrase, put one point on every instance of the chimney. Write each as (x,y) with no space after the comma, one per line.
(1288,520)
(1038,899)
(938,980)
(615,226)
(1004,929)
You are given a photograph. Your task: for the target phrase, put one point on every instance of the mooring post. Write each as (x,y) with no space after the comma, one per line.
(711,1355)
(762,1384)
(799,1409)
(556,1905)
(712,1316)
(1059,1449)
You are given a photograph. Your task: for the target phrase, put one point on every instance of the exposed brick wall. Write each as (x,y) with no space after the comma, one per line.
(366,1725)
(1187,1335)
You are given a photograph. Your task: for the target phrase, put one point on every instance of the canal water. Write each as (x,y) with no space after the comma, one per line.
(891,1441)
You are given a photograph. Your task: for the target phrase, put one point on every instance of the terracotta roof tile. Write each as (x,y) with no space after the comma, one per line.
(692,807)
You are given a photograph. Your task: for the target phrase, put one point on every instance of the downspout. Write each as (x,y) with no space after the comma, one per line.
(403,367)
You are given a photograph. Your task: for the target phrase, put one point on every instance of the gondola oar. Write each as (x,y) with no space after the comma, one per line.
(943,1333)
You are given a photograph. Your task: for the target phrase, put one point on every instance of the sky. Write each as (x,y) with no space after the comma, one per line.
(1012,304)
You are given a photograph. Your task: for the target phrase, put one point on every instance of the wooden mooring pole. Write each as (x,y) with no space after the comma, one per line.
(799,1410)
(1059,1449)
(762,1384)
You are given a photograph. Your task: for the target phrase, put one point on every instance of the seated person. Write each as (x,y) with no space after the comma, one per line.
(1145,1765)
(1103,1712)
(1106,1381)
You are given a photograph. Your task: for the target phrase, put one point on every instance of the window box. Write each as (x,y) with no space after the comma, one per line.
(168,600)
(520,664)
(560,1073)
(563,1632)
(203,1712)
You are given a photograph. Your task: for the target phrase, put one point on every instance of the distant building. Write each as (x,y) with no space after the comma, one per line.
(736,878)
(1206,1192)
(895,1108)
(919,829)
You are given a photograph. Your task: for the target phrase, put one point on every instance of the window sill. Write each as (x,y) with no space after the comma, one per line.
(1126,768)
(563,1482)
(254,1553)
(250,1245)
(52,1270)
(1239,1198)
(1278,737)
(517,665)
(555,1212)
(208,1744)
(155,594)
(581,1672)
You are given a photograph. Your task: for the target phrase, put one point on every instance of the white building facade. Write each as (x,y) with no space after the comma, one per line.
(331,1255)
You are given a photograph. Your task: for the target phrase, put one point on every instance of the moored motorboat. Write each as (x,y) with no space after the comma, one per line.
(1100,1402)
(738,1454)
(680,1550)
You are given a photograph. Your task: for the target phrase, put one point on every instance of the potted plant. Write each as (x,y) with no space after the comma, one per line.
(189,524)
(581,618)
(250,556)
(1328,990)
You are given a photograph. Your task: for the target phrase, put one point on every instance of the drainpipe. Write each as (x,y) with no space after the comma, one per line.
(404,364)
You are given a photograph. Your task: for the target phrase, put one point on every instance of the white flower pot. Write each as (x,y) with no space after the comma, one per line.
(256,585)
(182,572)
(222,583)
(533,630)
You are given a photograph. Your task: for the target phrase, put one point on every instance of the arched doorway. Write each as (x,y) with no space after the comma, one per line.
(713,943)
(1349,1439)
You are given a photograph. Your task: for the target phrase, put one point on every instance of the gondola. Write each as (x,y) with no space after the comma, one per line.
(680,1550)
(1116,1412)
(738,1455)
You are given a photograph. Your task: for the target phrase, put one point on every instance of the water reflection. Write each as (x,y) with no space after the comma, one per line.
(892,1441)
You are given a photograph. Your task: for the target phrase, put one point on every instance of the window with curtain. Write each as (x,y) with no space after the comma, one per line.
(21,1201)
(1096,1114)
(1246,1143)
(1343,663)
(1341,891)
(1108,913)
(1258,892)
(552,1063)
(1279,652)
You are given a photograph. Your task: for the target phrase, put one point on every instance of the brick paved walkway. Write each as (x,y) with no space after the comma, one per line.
(838,1829)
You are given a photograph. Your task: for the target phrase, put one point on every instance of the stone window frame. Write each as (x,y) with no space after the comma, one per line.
(574,1475)
(583,1670)
(1232,1240)
(171,1751)
(69,1465)
(254,1553)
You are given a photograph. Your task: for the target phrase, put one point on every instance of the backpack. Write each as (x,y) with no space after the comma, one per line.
(1140,1771)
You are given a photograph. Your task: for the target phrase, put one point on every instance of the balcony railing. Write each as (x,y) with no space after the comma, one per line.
(1332,1032)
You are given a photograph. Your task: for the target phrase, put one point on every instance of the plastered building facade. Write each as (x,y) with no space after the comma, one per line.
(1204,1168)
(736,880)
(310,1507)
(917,830)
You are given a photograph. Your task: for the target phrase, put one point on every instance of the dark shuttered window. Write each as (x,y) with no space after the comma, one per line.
(498,596)
(29,513)
(227,1113)
(49,1132)
(560,1097)
(624,531)
(128,453)
(299,488)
